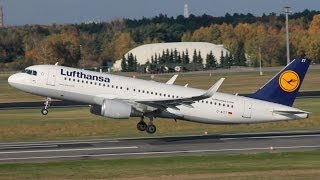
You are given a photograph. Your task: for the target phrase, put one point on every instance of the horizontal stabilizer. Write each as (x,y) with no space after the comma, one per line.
(289,112)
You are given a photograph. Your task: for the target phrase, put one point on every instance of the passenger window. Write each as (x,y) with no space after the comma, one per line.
(34,73)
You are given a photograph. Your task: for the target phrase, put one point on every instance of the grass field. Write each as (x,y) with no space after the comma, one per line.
(245,82)
(75,123)
(282,166)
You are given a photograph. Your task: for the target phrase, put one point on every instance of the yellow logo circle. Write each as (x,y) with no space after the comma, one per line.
(289,81)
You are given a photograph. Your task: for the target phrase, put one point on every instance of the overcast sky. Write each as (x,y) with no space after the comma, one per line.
(20,12)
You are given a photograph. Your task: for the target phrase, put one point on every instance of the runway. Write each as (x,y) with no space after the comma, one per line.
(158,146)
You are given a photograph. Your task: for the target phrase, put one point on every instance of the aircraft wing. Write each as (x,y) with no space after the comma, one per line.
(187,101)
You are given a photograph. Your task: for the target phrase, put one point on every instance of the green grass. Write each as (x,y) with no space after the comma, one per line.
(75,123)
(245,82)
(286,165)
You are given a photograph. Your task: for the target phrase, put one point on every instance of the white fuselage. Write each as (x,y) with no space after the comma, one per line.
(74,84)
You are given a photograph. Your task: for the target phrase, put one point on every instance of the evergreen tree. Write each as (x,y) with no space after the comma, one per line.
(156,58)
(183,57)
(162,59)
(187,58)
(211,61)
(135,64)
(167,56)
(230,59)
(171,57)
(175,56)
(195,57)
(200,59)
(124,66)
(222,60)
(178,60)
(239,55)
(131,63)
(152,59)
(227,59)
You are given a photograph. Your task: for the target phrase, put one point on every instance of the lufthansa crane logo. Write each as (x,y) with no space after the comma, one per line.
(289,81)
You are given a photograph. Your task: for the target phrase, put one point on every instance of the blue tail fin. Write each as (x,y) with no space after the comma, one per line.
(284,86)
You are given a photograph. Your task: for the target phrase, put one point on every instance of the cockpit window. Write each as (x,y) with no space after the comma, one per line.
(31,72)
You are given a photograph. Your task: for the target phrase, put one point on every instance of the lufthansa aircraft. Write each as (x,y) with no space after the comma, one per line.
(123,97)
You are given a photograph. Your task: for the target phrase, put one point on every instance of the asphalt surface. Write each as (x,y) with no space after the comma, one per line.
(160,146)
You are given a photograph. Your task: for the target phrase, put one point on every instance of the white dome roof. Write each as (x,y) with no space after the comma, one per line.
(144,52)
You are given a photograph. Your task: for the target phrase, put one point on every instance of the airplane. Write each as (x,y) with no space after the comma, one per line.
(121,97)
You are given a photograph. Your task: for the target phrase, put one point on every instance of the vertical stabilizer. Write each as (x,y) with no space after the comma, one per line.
(284,86)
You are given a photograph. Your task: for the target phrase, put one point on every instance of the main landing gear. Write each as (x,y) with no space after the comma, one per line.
(44,110)
(150,128)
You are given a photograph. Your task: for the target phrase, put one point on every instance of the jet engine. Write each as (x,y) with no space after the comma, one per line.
(115,109)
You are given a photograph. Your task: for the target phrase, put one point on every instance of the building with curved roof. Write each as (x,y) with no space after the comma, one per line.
(144,53)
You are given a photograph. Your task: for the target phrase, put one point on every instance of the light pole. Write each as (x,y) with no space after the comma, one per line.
(261,73)
(80,51)
(287,11)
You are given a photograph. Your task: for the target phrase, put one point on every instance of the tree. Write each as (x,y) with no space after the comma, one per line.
(124,65)
(200,59)
(162,58)
(315,25)
(211,61)
(187,59)
(239,55)
(223,61)
(131,63)
(122,44)
(195,57)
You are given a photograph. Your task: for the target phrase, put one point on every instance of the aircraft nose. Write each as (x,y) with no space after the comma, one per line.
(12,80)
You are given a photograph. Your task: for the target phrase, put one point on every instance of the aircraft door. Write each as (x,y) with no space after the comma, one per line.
(51,76)
(247,109)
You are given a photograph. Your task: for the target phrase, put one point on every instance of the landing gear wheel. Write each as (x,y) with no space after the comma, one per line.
(151,129)
(141,126)
(44,111)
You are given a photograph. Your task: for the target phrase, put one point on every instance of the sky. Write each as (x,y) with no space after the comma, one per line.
(21,12)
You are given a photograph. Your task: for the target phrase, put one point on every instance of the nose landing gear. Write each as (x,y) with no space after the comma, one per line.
(44,110)
(150,128)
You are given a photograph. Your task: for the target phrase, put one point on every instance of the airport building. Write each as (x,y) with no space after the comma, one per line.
(144,53)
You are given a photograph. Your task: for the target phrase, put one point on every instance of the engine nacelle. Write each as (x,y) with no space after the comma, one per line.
(115,109)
